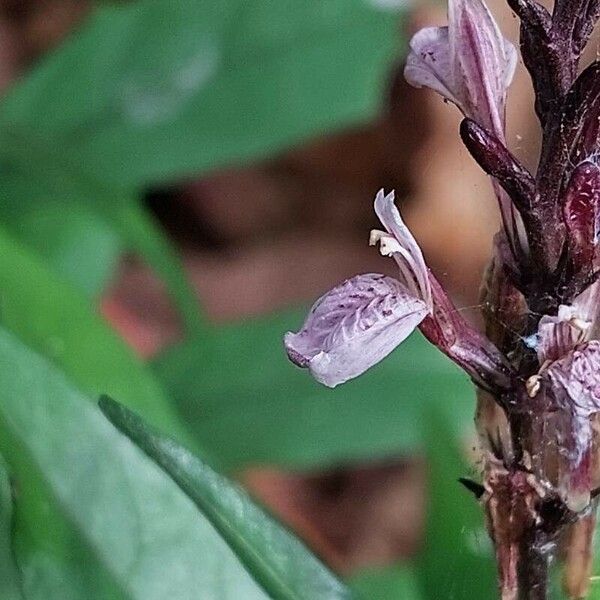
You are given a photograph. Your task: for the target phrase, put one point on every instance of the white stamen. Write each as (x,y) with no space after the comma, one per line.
(533,385)
(388,244)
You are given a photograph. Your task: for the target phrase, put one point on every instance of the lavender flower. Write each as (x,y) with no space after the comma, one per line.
(570,387)
(576,378)
(468,62)
(362,320)
(471,64)
(359,322)
(572,325)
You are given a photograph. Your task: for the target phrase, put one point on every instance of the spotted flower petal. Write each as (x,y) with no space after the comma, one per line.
(428,64)
(575,378)
(573,384)
(354,326)
(469,62)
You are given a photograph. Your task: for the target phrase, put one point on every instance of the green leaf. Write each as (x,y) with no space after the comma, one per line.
(10,578)
(154,90)
(57,321)
(95,518)
(76,222)
(143,235)
(56,216)
(158,89)
(397,582)
(251,405)
(457,561)
(276,558)
(75,240)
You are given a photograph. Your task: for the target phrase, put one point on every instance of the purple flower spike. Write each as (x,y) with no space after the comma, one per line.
(359,322)
(468,62)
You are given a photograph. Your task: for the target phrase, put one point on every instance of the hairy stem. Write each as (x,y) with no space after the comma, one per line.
(533,566)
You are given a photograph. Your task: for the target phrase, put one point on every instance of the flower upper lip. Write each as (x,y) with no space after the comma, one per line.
(400,244)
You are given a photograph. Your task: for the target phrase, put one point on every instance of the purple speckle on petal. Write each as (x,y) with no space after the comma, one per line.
(340,340)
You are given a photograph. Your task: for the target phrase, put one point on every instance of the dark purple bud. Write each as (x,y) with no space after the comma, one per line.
(574,20)
(580,116)
(541,57)
(495,159)
(572,135)
(542,224)
(551,46)
(581,212)
(534,17)
(586,19)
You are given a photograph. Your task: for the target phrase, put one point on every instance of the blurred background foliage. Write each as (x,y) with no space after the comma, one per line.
(176,180)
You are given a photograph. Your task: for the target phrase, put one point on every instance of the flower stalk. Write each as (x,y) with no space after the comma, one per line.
(537,368)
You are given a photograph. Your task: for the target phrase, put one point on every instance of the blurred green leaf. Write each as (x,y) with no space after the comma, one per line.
(144,236)
(10,585)
(397,582)
(60,192)
(56,216)
(595,583)
(153,90)
(457,561)
(57,321)
(95,518)
(276,558)
(251,405)
(74,239)
(158,89)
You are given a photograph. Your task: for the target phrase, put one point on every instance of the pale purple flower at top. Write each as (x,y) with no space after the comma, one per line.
(468,62)
(471,64)
(359,322)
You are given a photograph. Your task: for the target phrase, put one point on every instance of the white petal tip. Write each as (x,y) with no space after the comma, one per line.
(383,198)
